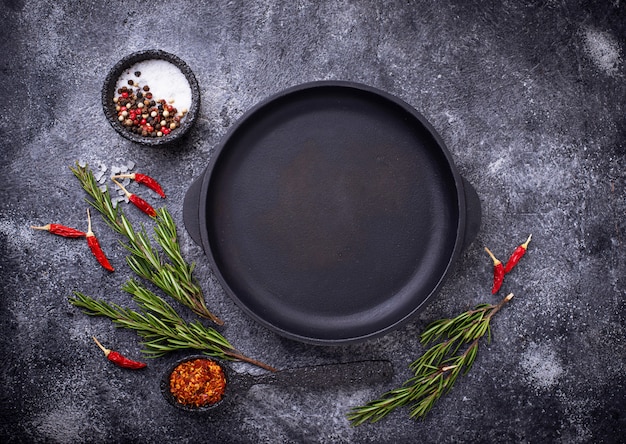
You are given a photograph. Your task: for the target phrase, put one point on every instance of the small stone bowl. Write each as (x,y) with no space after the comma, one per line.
(109,92)
(169,397)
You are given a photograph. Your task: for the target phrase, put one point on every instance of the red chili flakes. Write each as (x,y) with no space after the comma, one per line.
(198,383)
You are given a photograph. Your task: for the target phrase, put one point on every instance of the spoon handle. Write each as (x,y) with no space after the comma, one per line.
(331,375)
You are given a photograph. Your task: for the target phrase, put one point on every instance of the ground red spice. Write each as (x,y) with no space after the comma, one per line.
(198,383)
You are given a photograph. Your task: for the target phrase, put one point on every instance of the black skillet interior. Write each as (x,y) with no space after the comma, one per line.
(332,213)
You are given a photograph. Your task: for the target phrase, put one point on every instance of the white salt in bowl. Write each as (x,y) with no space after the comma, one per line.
(169,79)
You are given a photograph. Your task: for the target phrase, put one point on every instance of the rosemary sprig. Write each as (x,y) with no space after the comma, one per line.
(161,327)
(174,278)
(436,371)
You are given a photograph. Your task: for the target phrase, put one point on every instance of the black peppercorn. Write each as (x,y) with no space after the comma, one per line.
(143,115)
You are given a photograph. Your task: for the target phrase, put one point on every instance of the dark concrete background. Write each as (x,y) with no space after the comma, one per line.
(529,97)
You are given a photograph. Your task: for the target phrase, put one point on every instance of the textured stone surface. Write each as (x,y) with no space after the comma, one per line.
(529,98)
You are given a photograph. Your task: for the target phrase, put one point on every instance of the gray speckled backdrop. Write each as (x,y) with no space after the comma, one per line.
(529,97)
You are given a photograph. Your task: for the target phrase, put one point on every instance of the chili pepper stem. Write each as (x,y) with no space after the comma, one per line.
(525,244)
(44,228)
(128,194)
(89,232)
(124,176)
(104,349)
(495,260)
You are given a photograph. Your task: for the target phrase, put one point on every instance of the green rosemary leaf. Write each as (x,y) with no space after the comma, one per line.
(437,370)
(174,279)
(471,357)
(161,334)
(157,323)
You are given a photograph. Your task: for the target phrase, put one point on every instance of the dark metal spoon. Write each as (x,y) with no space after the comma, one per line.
(357,373)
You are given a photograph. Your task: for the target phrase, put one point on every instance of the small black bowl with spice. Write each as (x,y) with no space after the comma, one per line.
(195,383)
(151,97)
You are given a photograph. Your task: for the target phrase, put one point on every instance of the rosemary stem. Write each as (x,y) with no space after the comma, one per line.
(438,368)
(501,304)
(240,357)
(174,279)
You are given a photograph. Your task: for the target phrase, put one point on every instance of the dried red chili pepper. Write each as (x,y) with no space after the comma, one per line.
(498,272)
(138,201)
(61,230)
(142,205)
(144,179)
(119,359)
(94,246)
(517,255)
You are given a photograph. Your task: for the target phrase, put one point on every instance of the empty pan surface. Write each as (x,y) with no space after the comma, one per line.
(331,212)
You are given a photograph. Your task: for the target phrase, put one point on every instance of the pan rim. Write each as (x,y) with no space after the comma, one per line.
(253,111)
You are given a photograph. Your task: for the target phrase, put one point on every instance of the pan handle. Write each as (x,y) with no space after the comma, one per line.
(473,213)
(191,210)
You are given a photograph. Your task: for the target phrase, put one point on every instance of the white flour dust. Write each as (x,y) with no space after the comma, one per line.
(603,50)
(541,366)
